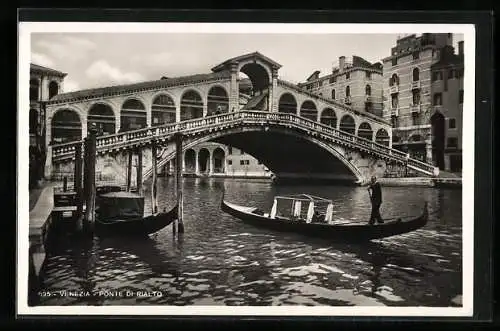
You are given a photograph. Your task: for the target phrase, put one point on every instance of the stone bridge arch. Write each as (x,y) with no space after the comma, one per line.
(339,153)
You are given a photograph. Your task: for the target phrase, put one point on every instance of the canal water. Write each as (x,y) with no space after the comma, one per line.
(221,261)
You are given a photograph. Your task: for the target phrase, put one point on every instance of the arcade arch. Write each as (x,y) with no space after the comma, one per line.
(66,126)
(191,105)
(133,115)
(103,117)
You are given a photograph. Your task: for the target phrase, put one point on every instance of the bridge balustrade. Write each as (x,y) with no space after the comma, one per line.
(254,117)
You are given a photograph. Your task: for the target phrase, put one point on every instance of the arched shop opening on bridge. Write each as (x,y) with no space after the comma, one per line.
(102,116)
(287,104)
(218,158)
(347,124)
(365,131)
(382,137)
(66,126)
(133,115)
(328,117)
(218,101)
(308,110)
(191,105)
(162,110)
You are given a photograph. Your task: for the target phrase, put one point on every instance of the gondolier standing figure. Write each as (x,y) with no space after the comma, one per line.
(375,192)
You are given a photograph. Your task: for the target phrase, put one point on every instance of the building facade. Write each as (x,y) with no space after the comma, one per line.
(217,160)
(355,82)
(45,83)
(423,89)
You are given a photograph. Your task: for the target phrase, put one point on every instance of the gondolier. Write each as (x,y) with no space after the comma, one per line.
(375,192)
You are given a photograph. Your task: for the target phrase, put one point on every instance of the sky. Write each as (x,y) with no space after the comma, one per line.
(103,59)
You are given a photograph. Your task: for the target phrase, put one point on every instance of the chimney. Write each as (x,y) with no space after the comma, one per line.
(461,47)
(341,63)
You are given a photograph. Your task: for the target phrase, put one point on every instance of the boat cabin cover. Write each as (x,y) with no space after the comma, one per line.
(120,205)
(302,206)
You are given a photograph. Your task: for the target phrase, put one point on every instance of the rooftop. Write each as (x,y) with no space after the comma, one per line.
(38,68)
(148,85)
(254,55)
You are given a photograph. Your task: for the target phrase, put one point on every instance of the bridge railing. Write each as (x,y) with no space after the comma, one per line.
(206,123)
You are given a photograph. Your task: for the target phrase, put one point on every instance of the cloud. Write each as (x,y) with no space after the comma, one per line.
(172,64)
(70,85)
(67,47)
(102,72)
(41,59)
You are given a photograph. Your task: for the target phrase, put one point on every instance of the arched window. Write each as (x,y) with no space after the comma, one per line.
(416,74)
(347,91)
(394,80)
(368,90)
(333,94)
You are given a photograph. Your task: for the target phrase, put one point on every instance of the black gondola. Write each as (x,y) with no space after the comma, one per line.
(121,214)
(321,225)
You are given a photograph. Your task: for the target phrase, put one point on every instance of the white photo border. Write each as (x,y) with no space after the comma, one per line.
(24,54)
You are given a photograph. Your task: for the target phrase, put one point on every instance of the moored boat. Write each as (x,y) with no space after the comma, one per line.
(318,220)
(122,214)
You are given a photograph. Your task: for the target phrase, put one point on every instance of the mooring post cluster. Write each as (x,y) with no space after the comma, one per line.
(89,185)
(178,177)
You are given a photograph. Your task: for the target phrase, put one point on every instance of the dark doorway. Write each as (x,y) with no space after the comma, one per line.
(438,135)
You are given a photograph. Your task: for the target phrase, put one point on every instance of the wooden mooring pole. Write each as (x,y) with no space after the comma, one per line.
(139,171)
(89,181)
(129,170)
(77,184)
(178,174)
(154,202)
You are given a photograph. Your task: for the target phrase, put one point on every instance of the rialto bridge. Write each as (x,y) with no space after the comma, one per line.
(293,132)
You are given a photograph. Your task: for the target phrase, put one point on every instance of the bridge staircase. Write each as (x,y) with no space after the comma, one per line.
(257,102)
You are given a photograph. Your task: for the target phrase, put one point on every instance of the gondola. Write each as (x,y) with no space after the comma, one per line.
(121,214)
(321,225)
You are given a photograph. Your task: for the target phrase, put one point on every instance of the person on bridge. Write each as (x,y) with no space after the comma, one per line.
(375,192)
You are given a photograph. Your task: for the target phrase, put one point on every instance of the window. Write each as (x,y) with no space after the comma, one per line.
(394,121)
(368,75)
(452,123)
(259,162)
(416,97)
(438,99)
(368,106)
(416,74)
(242,162)
(347,75)
(241,152)
(437,75)
(394,101)
(452,142)
(347,91)
(394,61)
(368,90)
(333,94)
(333,79)
(461,96)
(416,55)
(451,74)
(229,150)
(229,162)
(394,80)
(415,118)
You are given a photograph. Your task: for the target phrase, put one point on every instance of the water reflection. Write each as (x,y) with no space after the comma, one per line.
(221,261)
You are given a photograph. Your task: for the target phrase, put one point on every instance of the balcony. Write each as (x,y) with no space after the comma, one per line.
(415,108)
(347,100)
(394,89)
(395,111)
(415,85)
